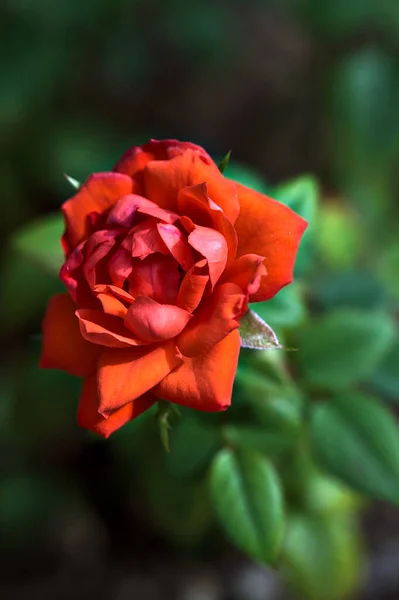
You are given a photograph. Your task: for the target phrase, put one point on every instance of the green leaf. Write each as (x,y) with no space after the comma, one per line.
(74,182)
(285,310)
(339,236)
(350,289)
(248,177)
(247,437)
(40,242)
(322,558)
(193,444)
(386,379)
(166,410)
(224,162)
(357,439)
(247,497)
(301,195)
(257,334)
(344,347)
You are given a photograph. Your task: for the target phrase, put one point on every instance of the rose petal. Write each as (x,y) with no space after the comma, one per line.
(98,194)
(214,320)
(247,272)
(157,277)
(164,178)
(204,382)
(122,214)
(89,417)
(63,346)
(193,286)
(177,244)
(112,306)
(116,291)
(194,202)
(105,330)
(146,239)
(268,228)
(213,246)
(154,322)
(124,375)
(120,266)
(135,159)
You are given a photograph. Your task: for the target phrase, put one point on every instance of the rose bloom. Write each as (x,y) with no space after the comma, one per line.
(162,256)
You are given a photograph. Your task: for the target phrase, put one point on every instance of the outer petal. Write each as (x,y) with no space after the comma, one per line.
(214,320)
(154,322)
(98,194)
(268,228)
(124,375)
(164,178)
(204,382)
(135,159)
(90,418)
(105,330)
(63,346)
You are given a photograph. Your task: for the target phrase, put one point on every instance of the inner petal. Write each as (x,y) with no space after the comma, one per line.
(156,277)
(154,322)
(146,239)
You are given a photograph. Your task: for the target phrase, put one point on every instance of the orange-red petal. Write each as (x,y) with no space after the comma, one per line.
(273,230)
(214,320)
(163,179)
(213,246)
(63,346)
(89,417)
(98,194)
(193,286)
(124,375)
(154,322)
(177,244)
(194,202)
(247,272)
(105,330)
(204,382)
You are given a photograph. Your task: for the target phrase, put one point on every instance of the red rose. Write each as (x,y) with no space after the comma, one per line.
(162,256)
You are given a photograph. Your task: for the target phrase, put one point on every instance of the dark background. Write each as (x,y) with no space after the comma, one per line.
(290,87)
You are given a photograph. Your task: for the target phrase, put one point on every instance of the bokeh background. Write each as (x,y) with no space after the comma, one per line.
(293,88)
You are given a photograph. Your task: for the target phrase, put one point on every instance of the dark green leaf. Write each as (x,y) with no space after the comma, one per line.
(193,444)
(267,442)
(224,162)
(344,347)
(247,497)
(285,310)
(386,379)
(257,334)
(357,439)
(247,177)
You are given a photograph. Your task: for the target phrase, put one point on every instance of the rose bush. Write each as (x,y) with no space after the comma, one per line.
(162,256)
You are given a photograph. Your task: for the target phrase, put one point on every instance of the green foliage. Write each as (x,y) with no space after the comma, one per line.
(322,557)
(40,241)
(357,439)
(247,496)
(344,347)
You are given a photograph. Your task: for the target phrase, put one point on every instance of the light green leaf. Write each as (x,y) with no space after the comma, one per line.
(74,182)
(248,177)
(40,242)
(247,497)
(322,558)
(357,439)
(257,334)
(301,195)
(344,347)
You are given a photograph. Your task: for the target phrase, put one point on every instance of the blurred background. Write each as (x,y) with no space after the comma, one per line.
(301,91)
